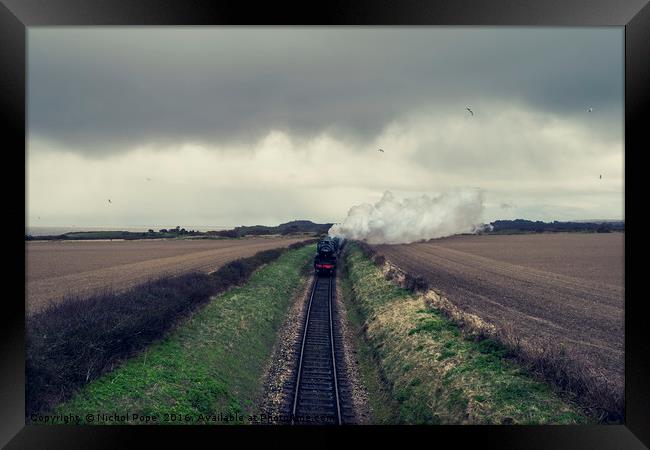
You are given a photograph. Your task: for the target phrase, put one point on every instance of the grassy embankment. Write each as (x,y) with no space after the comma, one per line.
(420,369)
(211,364)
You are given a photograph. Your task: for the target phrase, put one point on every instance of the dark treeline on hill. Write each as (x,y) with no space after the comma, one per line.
(529,226)
(296,226)
(127,235)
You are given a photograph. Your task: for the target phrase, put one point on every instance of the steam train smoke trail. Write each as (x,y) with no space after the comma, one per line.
(394,221)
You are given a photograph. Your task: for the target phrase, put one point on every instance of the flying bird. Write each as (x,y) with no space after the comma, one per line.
(470,111)
(109,201)
(148,179)
(600,177)
(380,150)
(590,110)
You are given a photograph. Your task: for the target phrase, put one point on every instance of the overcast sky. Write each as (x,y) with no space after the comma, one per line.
(230,126)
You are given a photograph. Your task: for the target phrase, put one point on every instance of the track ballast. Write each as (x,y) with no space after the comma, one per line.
(320,393)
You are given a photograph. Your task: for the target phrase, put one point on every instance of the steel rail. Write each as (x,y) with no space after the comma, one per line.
(313,354)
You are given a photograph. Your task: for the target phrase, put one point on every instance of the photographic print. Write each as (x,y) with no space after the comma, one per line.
(284,226)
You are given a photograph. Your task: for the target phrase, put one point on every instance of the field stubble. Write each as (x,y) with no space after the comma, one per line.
(63,269)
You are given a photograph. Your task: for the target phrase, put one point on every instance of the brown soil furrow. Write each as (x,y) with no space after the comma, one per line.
(47,259)
(486,267)
(522,285)
(592,256)
(123,275)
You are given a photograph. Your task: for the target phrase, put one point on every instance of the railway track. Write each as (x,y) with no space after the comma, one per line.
(319,390)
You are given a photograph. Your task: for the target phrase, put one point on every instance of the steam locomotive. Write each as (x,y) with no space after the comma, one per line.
(327,250)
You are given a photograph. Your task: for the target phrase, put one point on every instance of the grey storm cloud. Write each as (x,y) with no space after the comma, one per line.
(102,90)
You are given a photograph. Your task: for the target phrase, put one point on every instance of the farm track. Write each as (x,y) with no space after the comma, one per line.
(540,307)
(318,391)
(58,269)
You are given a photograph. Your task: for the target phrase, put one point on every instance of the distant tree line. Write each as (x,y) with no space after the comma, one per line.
(529,226)
(296,226)
(177,231)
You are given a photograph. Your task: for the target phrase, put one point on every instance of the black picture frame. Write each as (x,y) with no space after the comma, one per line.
(17,15)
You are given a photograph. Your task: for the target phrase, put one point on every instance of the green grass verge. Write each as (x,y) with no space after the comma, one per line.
(383,407)
(434,373)
(210,368)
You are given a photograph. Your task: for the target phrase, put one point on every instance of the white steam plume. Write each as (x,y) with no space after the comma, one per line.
(391,221)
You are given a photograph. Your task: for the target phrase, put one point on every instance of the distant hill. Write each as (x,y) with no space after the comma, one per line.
(295,226)
(598,221)
(529,226)
(116,234)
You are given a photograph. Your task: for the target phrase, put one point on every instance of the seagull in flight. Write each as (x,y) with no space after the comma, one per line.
(470,111)
(590,110)
(380,150)
(600,177)
(109,201)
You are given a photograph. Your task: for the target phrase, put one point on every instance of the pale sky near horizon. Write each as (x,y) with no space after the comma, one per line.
(230,126)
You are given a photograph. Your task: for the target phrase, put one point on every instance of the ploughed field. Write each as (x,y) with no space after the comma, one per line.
(61,268)
(549,290)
